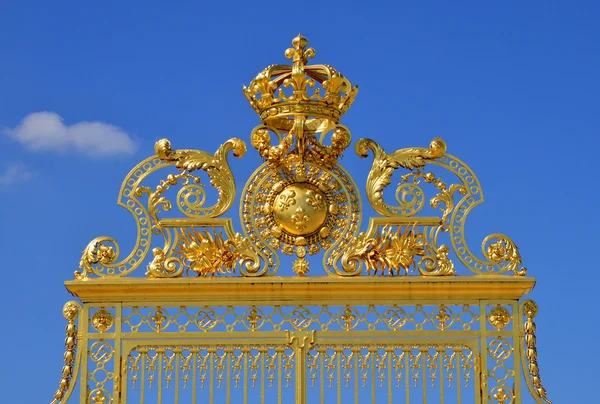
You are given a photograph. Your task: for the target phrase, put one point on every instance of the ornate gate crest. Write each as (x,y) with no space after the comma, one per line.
(200,312)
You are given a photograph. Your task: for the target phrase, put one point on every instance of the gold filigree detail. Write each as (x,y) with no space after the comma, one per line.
(97,252)
(501,396)
(388,250)
(296,118)
(70,311)
(210,254)
(437,265)
(504,251)
(99,398)
(253,318)
(445,196)
(300,219)
(534,382)
(267,96)
(216,166)
(158,319)
(300,266)
(315,199)
(157,202)
(385,164)
(348,317)
(102,320)
(286,200)
(163,267)
(443,317)
(499,317)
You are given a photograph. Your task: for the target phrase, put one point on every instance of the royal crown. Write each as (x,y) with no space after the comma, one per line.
(280,92)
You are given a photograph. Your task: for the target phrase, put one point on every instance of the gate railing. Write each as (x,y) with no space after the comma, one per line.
(377,350)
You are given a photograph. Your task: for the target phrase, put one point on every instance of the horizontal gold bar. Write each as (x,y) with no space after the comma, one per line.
(300,290)
(407,220)
(177,222)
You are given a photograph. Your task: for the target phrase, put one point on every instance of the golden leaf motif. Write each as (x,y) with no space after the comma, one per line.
(504,251)
(384,165)
(216,166)
(208,254)
(387,250)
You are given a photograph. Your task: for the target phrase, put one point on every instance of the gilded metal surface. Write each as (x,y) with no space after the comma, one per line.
(102,320)
(534,381)
(499,317)
(213,321)
(69,371)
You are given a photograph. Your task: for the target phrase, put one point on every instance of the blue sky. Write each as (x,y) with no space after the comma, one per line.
(512,87)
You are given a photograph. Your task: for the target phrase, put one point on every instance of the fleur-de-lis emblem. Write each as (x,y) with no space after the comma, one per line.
(253,318)
(443,317)
(300,219)
(348,318)
(315,200)
(286,200)
(158,319)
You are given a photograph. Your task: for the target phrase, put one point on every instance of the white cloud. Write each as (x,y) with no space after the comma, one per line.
(14,172)
(45,131)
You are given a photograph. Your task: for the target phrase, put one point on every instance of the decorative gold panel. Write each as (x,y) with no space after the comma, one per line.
(305,302)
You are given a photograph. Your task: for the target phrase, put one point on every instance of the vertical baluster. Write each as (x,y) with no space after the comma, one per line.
(245,351)
(177,353)
(322,353)
(142,374)
(424,351)
(373,352)
(338,354)
(262,352)
(160,359)
(407,372)
(194,359)
(390,356)
(458,352)
(355,354)
(211,376)
(441,351)
(279,351)
(228,353)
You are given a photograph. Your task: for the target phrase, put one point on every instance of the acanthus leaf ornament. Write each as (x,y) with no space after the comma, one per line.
(216,166)
(384,166)
(208,254)
(301,201)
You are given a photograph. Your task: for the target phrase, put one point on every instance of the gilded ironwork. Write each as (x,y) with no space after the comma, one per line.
(350,315)
(71,311)
(534,382)
(499,317)
(102,320)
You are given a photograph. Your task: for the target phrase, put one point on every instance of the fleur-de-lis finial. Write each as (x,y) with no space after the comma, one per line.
(298,54)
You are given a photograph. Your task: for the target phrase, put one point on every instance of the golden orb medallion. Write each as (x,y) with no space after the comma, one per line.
(300,209)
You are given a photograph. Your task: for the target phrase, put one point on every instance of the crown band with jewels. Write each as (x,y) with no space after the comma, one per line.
(267,96)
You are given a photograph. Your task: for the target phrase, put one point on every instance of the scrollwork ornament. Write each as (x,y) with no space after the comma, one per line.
(216,166)
(437,265)
(208,254)
(503,251)
(390,250)
(97,252)
(163,267)
(385,164)
(261,140)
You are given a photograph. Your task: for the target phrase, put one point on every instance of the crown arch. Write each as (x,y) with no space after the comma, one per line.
(199,312)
